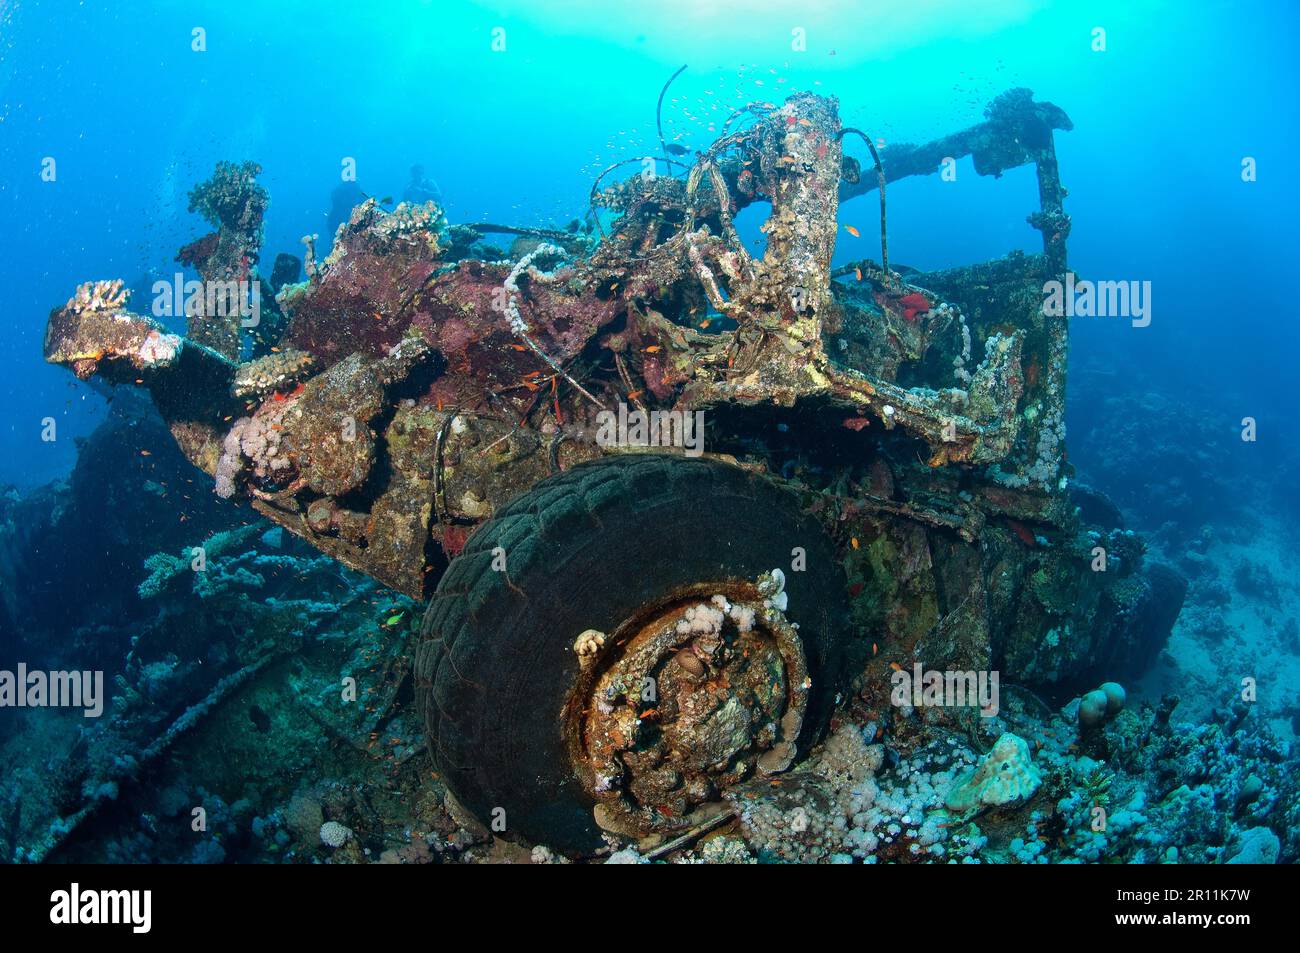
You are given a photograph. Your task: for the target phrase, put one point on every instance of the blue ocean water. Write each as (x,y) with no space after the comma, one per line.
(1164,116)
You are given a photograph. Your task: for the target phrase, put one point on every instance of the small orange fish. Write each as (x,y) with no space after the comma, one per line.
(895,666)
(858,273)
(653,348)
(852,231)
(635,394)
(854,542)
(519,347)
(706,322)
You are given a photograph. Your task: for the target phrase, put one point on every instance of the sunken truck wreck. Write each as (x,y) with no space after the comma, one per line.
(617,634)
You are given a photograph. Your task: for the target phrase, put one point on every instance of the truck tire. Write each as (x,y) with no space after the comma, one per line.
(599,550)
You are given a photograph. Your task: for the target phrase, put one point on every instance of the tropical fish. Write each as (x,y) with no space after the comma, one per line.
(852,231)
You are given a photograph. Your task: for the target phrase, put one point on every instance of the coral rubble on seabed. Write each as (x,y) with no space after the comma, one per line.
(1141,790)
(348,784)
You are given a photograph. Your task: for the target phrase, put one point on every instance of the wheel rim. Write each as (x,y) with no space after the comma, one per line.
(704,689)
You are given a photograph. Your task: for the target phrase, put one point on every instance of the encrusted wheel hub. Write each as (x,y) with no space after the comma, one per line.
(685,700)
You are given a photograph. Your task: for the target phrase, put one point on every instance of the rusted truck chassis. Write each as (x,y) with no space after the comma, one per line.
(617,634)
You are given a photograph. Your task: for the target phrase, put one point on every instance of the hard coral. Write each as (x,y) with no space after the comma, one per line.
(282,369)
(1005,776)
(99,296)
(232,200)
(334,834)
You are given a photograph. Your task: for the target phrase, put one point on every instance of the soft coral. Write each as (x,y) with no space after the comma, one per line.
(914,304)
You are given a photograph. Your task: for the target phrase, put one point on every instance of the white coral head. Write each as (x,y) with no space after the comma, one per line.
(772,586)
(588,645)
(1006,775)
(334,834)
(159,349)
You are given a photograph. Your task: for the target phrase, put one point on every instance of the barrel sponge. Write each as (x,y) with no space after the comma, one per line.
(1005,776)
(1093,708)
(1115,697)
